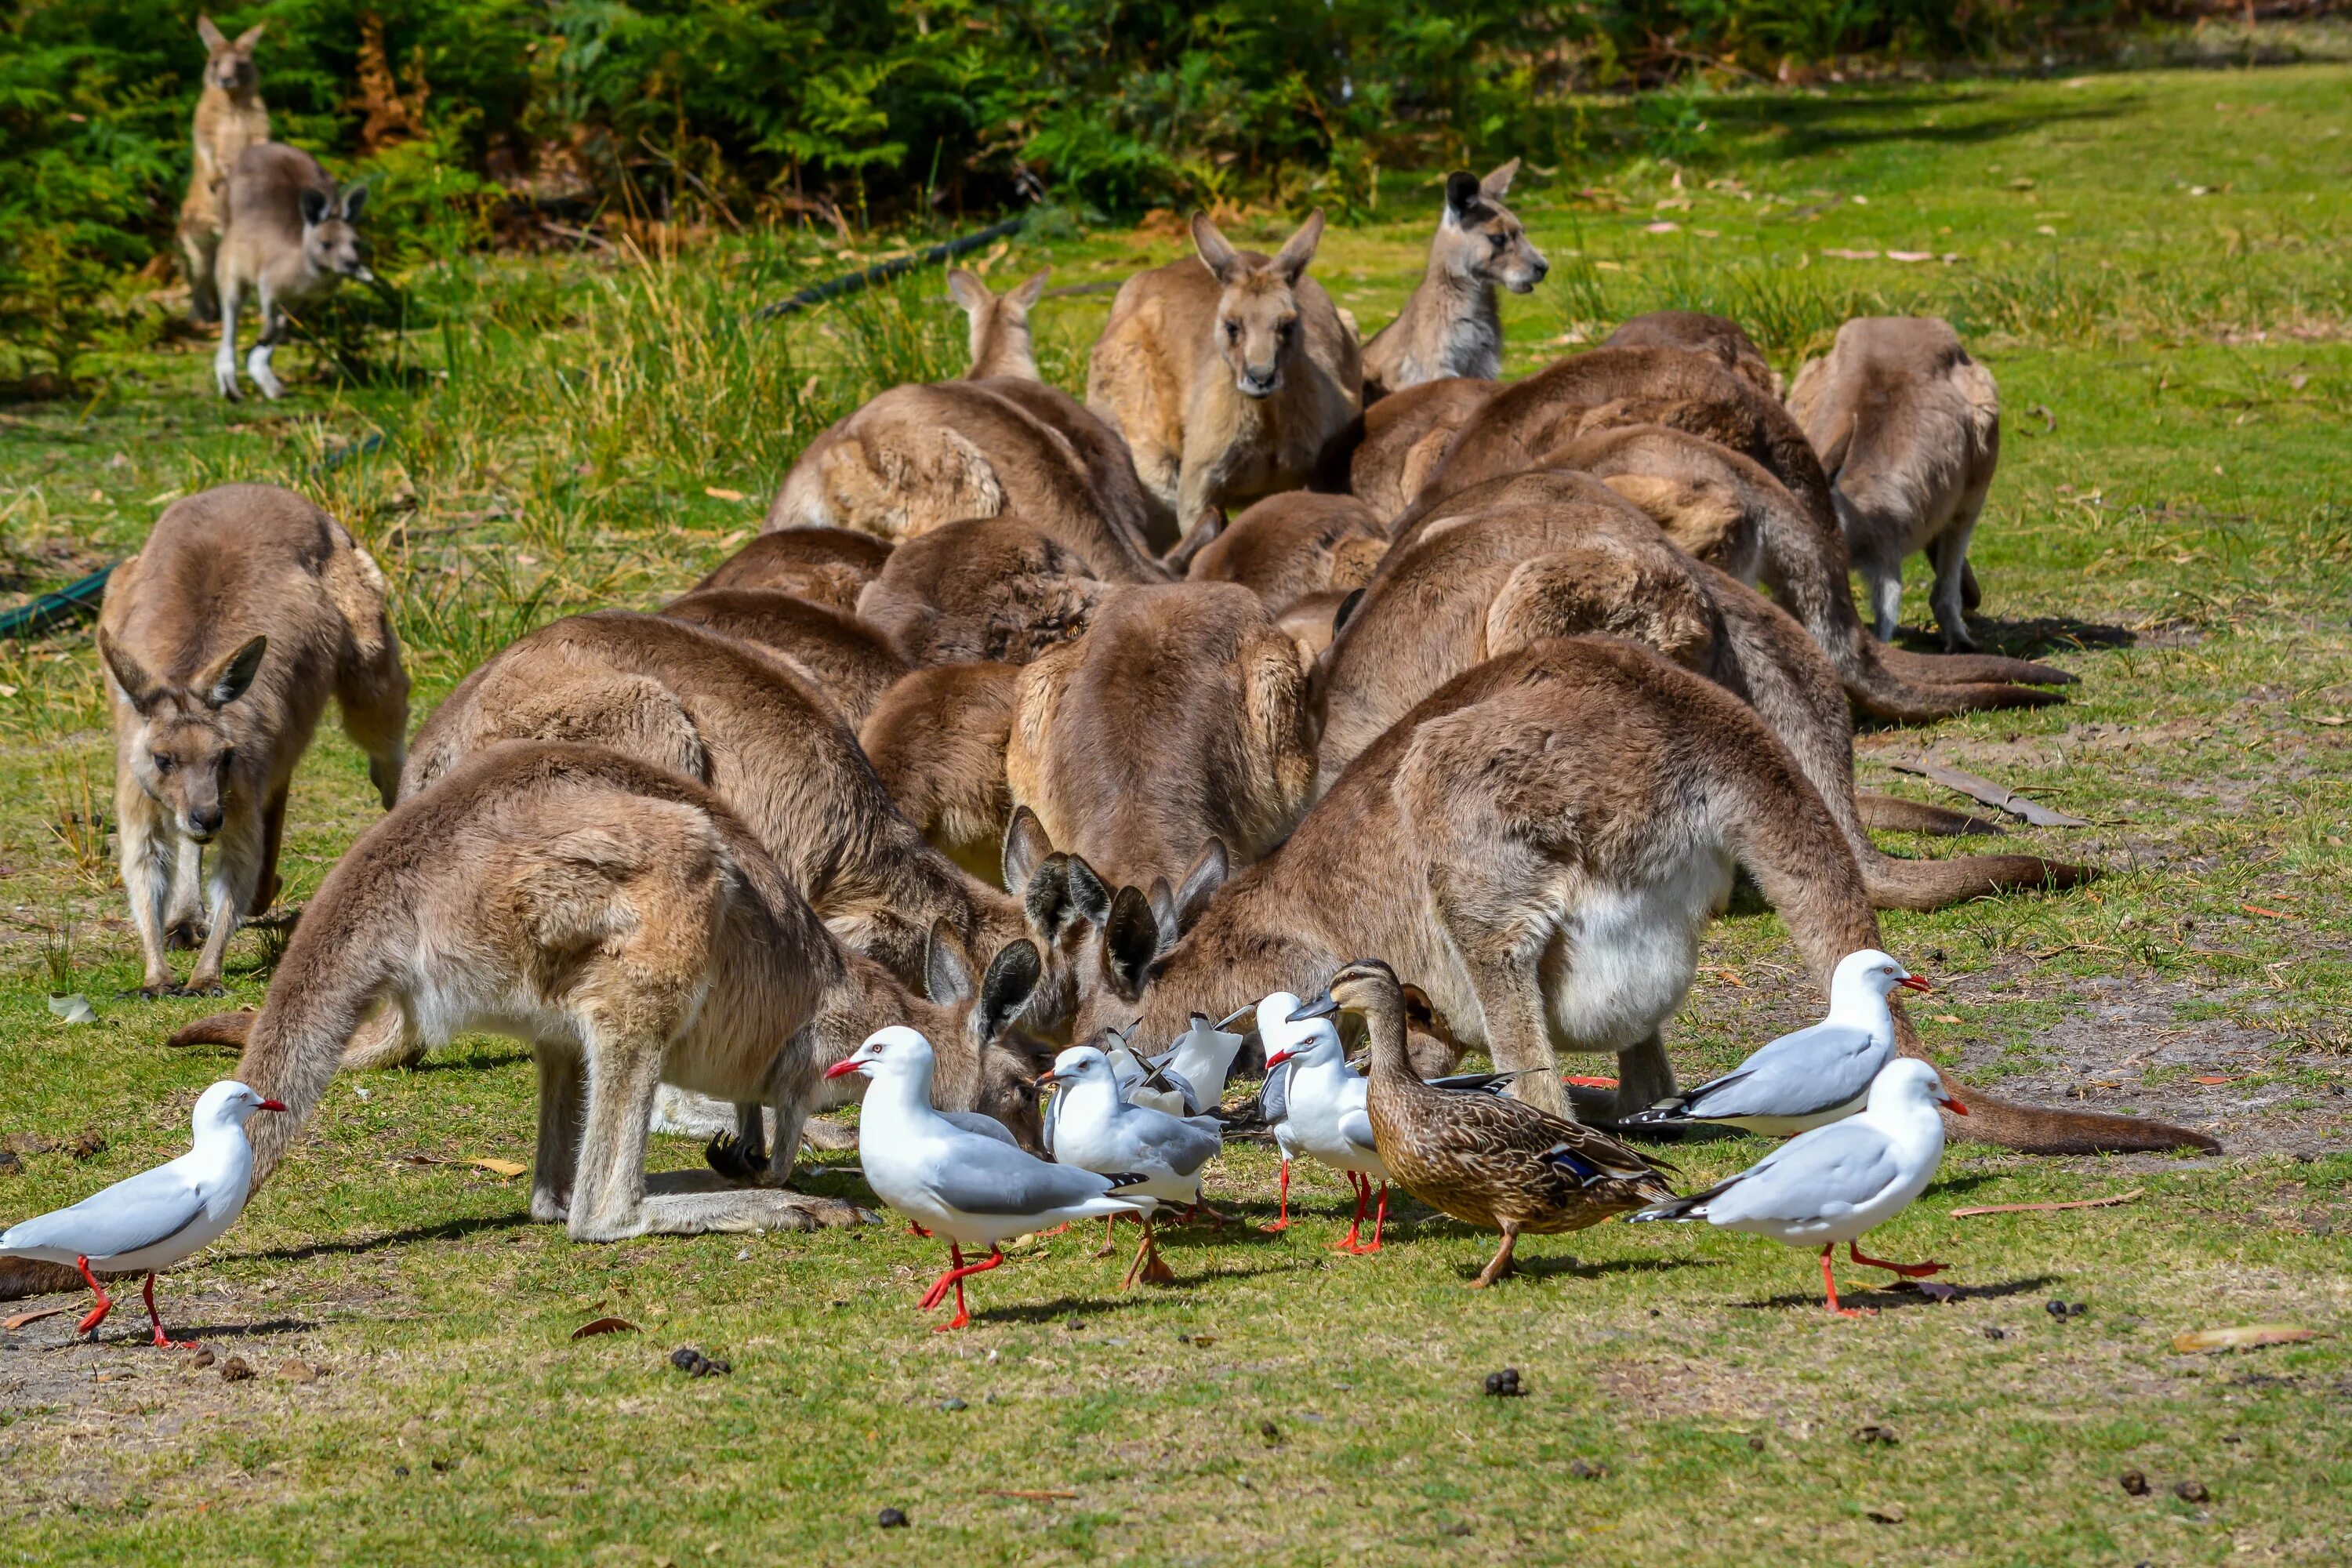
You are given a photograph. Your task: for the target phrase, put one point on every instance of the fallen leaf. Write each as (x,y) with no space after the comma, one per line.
(2251,1337)
(1947,1018)
(499,1167)
(715,493)
(2208,1078)
(604,1326)
(1910,256)
(1580,1082)
(2049,1208)
(1887,1513)
(1037,1497)
(2250,909)
(21,1318)
(1661,227)
(1852,255)
(1730,978)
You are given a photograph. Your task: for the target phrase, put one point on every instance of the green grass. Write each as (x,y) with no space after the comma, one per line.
(551,445)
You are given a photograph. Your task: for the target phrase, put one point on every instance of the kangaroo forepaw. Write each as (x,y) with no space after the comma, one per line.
(733,1159)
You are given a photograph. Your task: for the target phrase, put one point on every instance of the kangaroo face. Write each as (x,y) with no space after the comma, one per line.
(1483,239)
(1257,324)
(229,64)
(331,237)
(183,753)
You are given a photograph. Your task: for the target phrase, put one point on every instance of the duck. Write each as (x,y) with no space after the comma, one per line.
(1812,1077)
(1498,1164)
(1836,1182)
(1096,1128)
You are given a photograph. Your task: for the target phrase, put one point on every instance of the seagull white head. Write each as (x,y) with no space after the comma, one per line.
(1908,1080)
(1079,1064)
(1289,1037)
(226,1106)
(1870,976)
(892,1050)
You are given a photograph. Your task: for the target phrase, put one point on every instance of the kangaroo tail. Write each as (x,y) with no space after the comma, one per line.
(1894,814)
(219,1029)
(1967,668)
(2040,1129)
(1933,884)
(1862,670)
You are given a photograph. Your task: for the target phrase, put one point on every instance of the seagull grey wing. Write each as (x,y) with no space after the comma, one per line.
(1356,1127)
(981,1176)
(143,1211)
(1803,1074)
(1180,1145)
(986,1126)
(1274,1095)
(1821,1174)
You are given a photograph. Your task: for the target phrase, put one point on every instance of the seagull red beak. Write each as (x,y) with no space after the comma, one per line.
(840,1070)
(271,1105)
(1913,982)
(1952,1104)
(1277,1059)
(1045,1078)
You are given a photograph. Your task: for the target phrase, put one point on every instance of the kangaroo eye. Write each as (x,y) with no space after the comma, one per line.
(1498,241)
(1232,332)
(163,762)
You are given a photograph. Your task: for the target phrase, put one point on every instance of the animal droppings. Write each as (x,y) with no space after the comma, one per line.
(1992,1334)
(2189,1491)
(891,1519)
(1461,1528)
(1882,1436)
(1887,1513)
(953,1405)
(201,1360)
(1755,1445)
(1505,1384)
(1586,1470)
(2134,1484)
(694,1364)
(1270,1432)
(235,1370)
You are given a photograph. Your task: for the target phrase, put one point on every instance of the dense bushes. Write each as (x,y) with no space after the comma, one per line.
(743,110)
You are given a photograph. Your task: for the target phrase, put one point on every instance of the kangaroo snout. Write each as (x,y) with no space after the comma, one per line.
(1255,383)
(201,822)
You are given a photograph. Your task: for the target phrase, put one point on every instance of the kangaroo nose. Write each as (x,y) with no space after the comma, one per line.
(206,821)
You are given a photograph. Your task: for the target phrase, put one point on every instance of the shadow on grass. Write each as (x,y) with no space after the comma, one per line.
(1539,1267)
(2026,638)
(1885,1298)
(449,1230)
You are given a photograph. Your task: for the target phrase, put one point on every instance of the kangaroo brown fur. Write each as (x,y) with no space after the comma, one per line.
(937,741)
(1227,372)
(1178,718)
(1385,456)
(840,654)
(828,566)
(1451,325)
(1909,427)
(1719,337)
(1001,344)
(1288,546)
(1540,843)
(985,589)
(230,117)
(222,640)
(288,235)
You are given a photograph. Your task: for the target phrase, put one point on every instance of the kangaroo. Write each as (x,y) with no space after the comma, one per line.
(1909,427)
(1538,556)
(287,236)
(828,566)
(1451,325)
(1695,393)
(1180,717)
(1001,344)
(1387,453)
(1719,337)
(1295,545)
(724,713)
(838,653)
(1540,843)
(991,588)
(918,458)
(1228,373)
(936,741)
(222,640)
(230,117)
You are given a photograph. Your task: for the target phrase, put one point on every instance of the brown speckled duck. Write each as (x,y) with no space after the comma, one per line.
(1501,1163)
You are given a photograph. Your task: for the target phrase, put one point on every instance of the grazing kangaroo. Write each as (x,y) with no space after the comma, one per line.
(723,713)
(230,117)
(1291,545)
(1540,844)
(288,237)
(1719,337)
(1001,344)
(936,741)
(618,919)
(1228,373)
(1556,555)
(247,608)
(1180,717)
(991,588)
(918,458)
(1386,454)
(828,566)
(1451,325)
(1909,427)
(838,653)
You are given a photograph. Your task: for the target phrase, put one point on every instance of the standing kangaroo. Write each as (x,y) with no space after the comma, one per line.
(230,117)
(1228,373)
(287,236)
(222,639)
(1451,325)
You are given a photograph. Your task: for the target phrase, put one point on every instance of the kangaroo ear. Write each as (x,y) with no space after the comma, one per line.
(1197,538)
(227,679)
(1209,872)
(211,34)
(967,291)
(1217,253)
(1032,289)
(315,202)
(945,975)
(354,200)
(1347,608)
(1026,846)
(1162,900)
(1461,191)
(250,36)
(138,687)
(1292,260)
(1011,979)
(1045,896)
(1088,895)
(1498,184)
(1130,939)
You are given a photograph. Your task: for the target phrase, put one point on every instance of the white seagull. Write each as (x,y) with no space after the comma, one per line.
(157,1217)
(1836,1182)
(1160,1155)
(1273,1094)
(970,1187)
(1814,1077)
(1195,1068)
(1324,1109)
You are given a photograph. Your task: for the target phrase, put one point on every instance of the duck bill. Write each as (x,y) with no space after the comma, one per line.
(271,1105)
(1913,982)
(843,1069)
(1323,1007)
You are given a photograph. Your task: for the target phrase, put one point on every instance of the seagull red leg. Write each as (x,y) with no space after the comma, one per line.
(1363,1186)
(937,1292)
(1283,1221)
(88,1325)
(1106,1249)
(1908,1270)
(918,1230)
(1380,1219)
(163,1340)
(1829,1283)
(953,1279)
